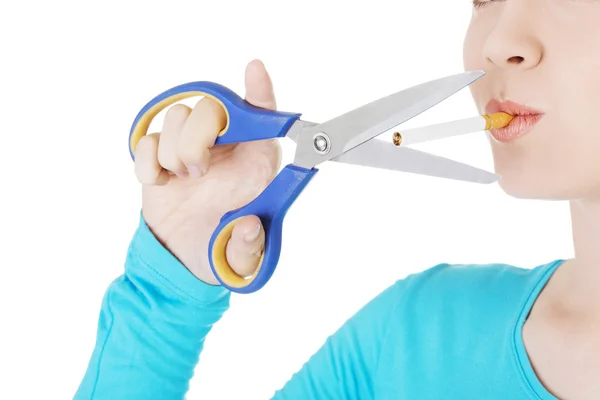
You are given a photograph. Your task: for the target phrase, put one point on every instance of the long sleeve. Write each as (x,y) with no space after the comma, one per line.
(155,317)
(345,367)
(152,326)
(442,333)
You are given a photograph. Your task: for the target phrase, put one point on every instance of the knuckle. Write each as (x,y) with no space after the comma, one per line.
(168,159)
(146,145)
(210,110)
(170,164)
(177,112)
(192,155)
(207,103)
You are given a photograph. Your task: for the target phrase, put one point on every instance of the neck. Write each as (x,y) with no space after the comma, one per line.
(584,276)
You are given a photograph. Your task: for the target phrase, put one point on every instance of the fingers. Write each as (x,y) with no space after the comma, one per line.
(259,87)
(168,156)
(246,245)
(183,145)
(199,134)
(208,118)
(147,168)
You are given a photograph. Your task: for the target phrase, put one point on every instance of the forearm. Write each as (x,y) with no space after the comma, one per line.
(153,323)
(155,318)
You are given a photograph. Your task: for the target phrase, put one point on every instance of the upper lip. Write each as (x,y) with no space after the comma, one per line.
(509,107)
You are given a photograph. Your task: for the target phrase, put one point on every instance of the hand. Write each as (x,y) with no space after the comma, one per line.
(187,184)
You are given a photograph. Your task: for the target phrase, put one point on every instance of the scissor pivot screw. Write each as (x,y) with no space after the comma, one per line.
(321,143)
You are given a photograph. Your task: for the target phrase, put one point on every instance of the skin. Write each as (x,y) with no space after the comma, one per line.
(528,48)
(187,185)
(545,54)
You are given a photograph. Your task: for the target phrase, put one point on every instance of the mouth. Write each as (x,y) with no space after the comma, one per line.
(524,119)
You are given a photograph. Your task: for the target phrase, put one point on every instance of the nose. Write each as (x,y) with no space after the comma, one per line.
(513,42)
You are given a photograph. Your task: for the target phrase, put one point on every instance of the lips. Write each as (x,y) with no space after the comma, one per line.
(524,119)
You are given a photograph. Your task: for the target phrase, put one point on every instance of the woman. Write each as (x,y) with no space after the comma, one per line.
(450,332)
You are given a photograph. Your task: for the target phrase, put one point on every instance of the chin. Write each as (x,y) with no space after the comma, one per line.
(553,161)
(523,188)
(544,181)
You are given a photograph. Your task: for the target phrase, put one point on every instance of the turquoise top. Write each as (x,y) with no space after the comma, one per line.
(450,332)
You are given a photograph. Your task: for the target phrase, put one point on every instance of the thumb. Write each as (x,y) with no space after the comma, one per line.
(259,88)
(245,247)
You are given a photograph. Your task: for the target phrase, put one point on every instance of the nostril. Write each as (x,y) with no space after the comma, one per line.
(516,60)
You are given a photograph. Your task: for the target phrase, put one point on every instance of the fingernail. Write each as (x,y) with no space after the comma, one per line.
(194,171)
(252,235)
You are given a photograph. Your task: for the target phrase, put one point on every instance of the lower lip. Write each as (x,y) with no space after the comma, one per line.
(520,125)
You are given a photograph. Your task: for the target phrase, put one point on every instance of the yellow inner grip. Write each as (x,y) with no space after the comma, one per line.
(497,120)
(143,124)
(219,257)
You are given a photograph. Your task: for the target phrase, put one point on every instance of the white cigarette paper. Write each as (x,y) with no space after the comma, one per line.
(443,130)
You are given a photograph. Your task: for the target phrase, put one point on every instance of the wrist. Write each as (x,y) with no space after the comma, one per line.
(170,271)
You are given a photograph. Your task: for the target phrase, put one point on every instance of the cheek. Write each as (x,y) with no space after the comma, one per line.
(560,158)
(551,171)
(574,134)
(535,169)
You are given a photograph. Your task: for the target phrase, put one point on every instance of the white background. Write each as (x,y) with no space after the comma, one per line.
(73,76)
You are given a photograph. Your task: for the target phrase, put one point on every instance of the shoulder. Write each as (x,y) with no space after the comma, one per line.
(445,296)
(455,324)
(478,278)
(470,289)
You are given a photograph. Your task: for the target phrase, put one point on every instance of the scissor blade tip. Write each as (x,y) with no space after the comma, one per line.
(493,178)
(477,73)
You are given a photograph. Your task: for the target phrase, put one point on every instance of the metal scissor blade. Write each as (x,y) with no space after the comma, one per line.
(364,123)
(379,154)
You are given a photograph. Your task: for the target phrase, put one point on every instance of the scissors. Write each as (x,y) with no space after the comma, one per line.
(346,139)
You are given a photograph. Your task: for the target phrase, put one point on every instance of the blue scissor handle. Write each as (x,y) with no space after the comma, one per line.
(245,122)
(270,206)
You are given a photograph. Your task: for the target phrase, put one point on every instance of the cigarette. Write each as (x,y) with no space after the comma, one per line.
(448,129)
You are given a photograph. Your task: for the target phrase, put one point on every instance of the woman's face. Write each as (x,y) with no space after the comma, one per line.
(544,55)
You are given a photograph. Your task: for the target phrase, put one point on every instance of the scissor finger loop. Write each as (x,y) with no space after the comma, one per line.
(349,138)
